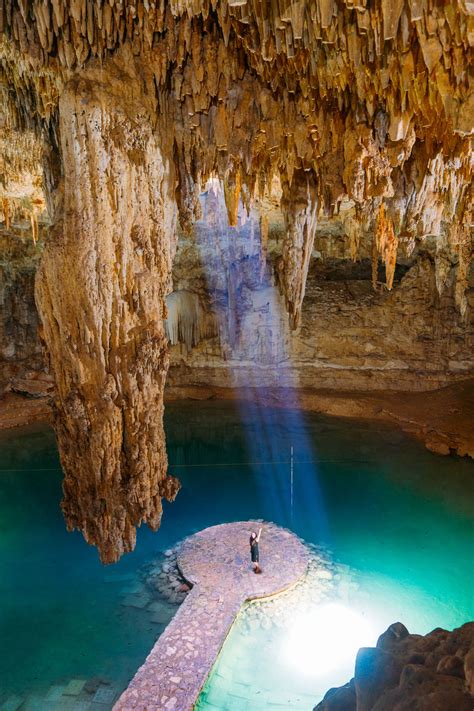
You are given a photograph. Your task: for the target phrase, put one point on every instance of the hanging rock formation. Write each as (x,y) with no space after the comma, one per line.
(100,291)
(137,104)
(21,192)
(299,205)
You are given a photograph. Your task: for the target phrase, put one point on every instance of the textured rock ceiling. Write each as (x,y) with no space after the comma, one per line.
(370,100)
(138,103)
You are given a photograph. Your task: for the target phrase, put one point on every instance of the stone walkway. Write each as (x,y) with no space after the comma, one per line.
(217,562)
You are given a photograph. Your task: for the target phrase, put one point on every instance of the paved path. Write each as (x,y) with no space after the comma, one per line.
(217,562)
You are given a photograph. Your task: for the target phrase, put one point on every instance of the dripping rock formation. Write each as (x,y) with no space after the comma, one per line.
(298,112)
(109,311)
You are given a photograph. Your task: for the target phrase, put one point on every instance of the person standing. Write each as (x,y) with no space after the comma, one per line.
(254,552)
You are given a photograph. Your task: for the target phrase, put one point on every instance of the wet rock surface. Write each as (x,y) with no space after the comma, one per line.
(406,671)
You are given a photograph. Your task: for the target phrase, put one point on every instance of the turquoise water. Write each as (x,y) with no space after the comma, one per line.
(398,516)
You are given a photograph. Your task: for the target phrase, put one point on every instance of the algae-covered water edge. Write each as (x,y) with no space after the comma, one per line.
(395,518)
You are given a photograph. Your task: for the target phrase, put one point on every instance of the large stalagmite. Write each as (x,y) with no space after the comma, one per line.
(100,291)
(139,103)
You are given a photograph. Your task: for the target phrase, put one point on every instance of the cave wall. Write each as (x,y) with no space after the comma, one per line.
(229,327)
(351,337)
(20,346)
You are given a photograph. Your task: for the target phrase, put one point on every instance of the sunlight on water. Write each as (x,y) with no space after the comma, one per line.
(325,639)
(290,654)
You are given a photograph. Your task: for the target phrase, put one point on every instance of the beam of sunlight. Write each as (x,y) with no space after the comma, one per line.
(255,344)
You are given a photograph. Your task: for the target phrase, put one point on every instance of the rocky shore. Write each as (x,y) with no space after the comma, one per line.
(441,419)
(18,410)
(410,672)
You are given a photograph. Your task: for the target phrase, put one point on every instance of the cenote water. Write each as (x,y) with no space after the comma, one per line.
(394,515)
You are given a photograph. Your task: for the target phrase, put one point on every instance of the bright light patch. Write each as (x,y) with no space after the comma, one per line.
(327,640)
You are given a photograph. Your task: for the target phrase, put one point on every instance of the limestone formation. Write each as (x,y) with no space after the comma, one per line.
(350,337)
(20,349)
(137,104)
(299,204)
(21,193)
(408,671)
(101,288)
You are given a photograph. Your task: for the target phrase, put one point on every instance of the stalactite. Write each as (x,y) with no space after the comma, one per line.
(387,244)
(299,204)
(353,231)
(187,322)
(375,263)
(286,95)
(104,323)
(6,212)
(34,226)
(232,187)
(264,100)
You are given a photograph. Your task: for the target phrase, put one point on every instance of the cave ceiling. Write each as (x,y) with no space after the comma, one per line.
(368,100)
(127,108)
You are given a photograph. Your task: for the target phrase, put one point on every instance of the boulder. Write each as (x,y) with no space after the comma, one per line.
(469,670)
(407,672)
(375,672)
(339,699)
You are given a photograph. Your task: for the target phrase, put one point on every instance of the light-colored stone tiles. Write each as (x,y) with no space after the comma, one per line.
(217,562)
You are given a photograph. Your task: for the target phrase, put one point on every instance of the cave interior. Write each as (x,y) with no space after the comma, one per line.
(267,202)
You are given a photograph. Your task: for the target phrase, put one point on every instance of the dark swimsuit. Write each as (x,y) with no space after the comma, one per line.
(254,550)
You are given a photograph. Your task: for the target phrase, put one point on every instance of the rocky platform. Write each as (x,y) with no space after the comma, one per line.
(216,562)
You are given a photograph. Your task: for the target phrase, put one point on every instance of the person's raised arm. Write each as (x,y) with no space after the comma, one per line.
(259,533)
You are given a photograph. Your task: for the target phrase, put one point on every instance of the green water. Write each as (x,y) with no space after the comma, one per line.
(400,517)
